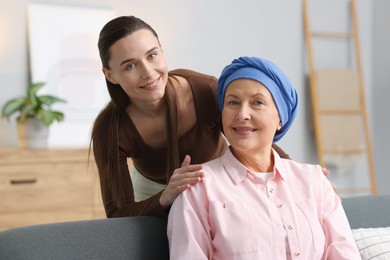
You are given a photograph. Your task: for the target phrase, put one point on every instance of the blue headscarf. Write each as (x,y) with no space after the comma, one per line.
(268,74)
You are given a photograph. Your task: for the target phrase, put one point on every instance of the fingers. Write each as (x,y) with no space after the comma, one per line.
(186,161)
(186,168)
(325,171)
(334,186)
(181,179)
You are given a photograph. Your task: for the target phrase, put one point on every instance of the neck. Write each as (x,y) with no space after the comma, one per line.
(261,161)
(148,109)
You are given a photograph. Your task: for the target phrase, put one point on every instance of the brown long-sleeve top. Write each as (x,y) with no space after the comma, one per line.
(203,142)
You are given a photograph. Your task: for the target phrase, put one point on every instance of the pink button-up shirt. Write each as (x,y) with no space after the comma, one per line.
(234,214)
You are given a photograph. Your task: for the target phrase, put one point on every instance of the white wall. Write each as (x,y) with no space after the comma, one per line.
(203,35)
(381,93)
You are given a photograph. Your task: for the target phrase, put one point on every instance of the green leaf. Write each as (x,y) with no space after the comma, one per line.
(33,89)
(32,93)
(13,106)
(50,100)
(48,117)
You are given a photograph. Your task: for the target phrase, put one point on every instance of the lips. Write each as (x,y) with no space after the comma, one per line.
(244,130)
(151,85)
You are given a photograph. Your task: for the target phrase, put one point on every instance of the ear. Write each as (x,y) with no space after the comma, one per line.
(108,75)
(279,125)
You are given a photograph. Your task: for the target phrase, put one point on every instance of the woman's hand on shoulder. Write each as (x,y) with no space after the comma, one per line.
(181,179)
(326,173)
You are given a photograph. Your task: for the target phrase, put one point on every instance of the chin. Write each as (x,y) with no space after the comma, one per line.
(242,148)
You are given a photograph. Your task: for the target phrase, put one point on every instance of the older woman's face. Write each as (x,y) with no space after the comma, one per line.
(249,116)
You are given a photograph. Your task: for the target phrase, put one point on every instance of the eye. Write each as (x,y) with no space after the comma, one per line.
(152,56)
(232,102)
(258,102)
(130,66)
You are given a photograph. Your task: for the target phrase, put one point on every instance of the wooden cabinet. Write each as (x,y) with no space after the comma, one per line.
(46,186)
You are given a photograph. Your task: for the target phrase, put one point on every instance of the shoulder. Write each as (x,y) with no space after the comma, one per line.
(103,118)
(190,74)
(303,170)
(300,165)
(195,78)
(213,165)
(305,179)
(204,91)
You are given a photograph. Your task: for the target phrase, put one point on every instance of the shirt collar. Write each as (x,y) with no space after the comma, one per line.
(238,172)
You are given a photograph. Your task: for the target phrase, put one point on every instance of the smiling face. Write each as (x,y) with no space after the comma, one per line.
(249,116)
(139,66)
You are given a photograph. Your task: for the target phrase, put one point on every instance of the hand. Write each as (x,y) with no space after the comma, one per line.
(181,179)
(326,173)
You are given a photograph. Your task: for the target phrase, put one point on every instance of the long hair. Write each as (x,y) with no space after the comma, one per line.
(104,139)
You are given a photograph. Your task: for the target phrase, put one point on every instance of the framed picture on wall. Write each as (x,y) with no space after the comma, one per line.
(63,53)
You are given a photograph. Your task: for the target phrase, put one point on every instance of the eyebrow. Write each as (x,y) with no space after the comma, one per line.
(257,94)
(260,94)
(131,59)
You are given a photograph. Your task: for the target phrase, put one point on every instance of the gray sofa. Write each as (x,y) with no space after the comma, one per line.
(138,237)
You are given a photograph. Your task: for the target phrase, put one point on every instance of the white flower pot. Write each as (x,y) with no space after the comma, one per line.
(33,134)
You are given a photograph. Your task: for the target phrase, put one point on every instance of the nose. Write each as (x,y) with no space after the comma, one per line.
(243,113)
(147,70)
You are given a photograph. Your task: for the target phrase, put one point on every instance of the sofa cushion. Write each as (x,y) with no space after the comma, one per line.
(373,243)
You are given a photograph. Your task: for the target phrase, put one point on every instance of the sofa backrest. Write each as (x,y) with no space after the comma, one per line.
(367,211)
(116,238)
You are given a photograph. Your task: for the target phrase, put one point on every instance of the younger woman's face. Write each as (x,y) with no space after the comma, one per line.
(139,66)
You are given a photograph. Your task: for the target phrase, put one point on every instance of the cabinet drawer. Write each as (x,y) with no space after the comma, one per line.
(45,186)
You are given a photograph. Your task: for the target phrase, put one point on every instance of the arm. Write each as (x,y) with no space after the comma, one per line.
(124,205)
(188,227)
(340,243)
(156,205)
(115,183)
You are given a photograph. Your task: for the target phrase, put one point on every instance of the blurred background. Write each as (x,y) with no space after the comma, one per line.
(199,35)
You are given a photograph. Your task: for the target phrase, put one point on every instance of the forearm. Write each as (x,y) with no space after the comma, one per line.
(125,208)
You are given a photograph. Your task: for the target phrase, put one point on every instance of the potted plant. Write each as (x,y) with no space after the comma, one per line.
(34,116)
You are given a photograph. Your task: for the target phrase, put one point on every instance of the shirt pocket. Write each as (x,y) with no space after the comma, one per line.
(237,227)
(310,225)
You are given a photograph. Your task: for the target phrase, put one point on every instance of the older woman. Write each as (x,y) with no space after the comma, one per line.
(252,204)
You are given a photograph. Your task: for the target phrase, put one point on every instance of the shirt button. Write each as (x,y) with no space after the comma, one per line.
(280,205)
(271,190)
(290,227)
(297,253)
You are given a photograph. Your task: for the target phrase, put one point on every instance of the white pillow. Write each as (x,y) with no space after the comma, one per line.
(373,243)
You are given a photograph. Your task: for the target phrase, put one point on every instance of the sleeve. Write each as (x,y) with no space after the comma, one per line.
(340,243)
(188,227)
(115,183)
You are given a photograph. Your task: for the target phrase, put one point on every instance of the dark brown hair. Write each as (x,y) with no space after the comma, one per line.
(104,140)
